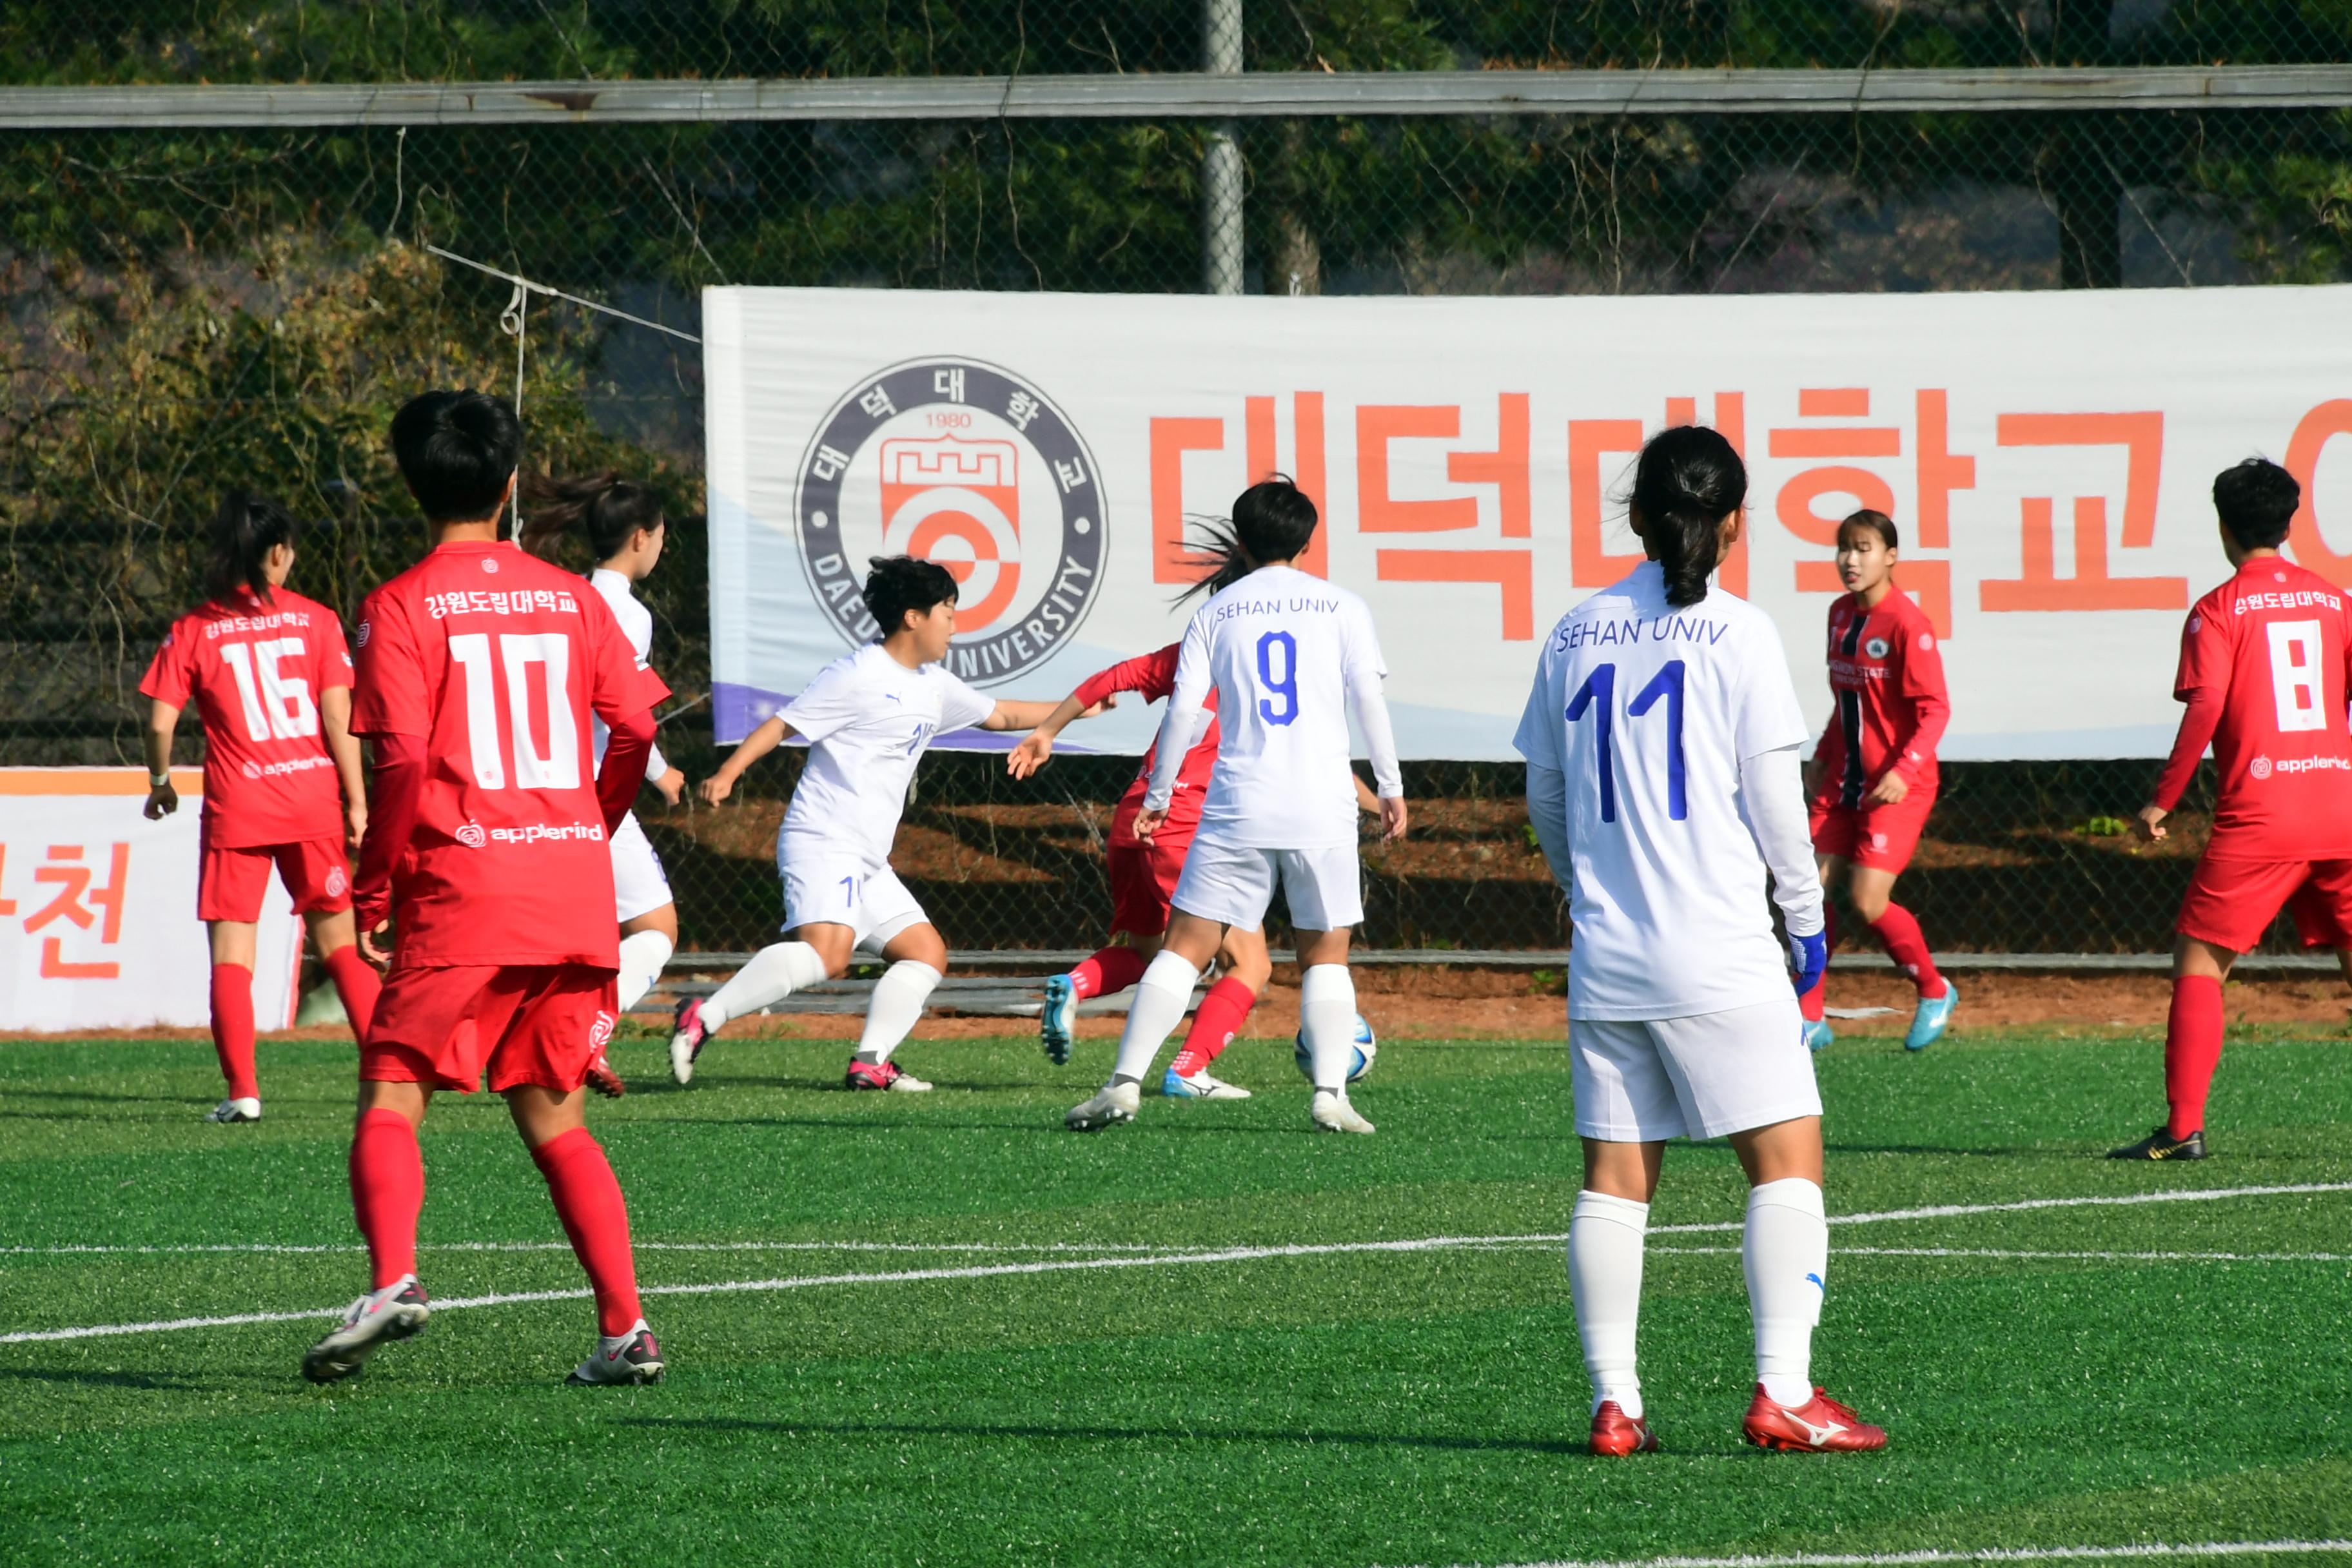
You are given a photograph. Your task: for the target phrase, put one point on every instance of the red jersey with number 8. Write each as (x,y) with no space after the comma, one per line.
(257,672)
(2271,646)
(497,659)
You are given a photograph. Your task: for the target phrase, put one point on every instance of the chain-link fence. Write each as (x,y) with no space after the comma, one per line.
(189,307)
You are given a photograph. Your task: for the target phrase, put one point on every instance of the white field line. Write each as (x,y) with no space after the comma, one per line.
(1144,1261)
(1988,1554)
(2019,1253)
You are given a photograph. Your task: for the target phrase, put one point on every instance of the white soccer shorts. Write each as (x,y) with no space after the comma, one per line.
(1700,1077)
(1234,884)
(640,885)
(870,902)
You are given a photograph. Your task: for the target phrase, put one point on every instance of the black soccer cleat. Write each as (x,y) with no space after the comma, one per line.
(2161,1144)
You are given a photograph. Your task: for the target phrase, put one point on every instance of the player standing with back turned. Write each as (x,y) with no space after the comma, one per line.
(479,668)
(2264,673)
(1661,740)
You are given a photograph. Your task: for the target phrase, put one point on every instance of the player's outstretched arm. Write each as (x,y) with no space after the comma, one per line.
(770,734)
(163,719)
(335,714)
(1011,715)
(1036,748)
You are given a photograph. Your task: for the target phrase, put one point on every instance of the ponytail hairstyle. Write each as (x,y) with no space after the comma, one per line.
(1273,519)
(1687,481)
(245,529)
(605,509)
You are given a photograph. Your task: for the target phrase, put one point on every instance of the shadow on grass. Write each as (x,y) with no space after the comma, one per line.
(1112,1433)
(171,1381)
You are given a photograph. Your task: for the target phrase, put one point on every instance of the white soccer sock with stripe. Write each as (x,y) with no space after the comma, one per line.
(895,1009)
(642,957)
(774,972)
(1158,1006)
(1787,1252)
(1604,1280)
(1326,1014)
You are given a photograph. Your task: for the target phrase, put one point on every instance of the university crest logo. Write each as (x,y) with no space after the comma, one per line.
(967,464)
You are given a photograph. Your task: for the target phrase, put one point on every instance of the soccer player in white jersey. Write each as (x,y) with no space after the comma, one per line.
(867,717)
(622,524)
(1289,656)
(1662,740)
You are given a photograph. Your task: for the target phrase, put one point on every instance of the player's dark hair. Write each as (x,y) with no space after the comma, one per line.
(1273,519)
(1878,523)
(1688,480)
(457,450)
(245,529)
(902,583)
(604,509)
(2257,500)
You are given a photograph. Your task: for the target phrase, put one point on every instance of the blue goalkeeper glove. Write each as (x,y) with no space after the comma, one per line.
(1808,956)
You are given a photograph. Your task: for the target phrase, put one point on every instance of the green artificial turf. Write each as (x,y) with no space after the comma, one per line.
(1351,1407)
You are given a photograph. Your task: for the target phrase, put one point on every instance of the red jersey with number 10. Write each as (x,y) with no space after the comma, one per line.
(1888,679)
(497,659)
(257,672)
(2262,659)
(1152,676)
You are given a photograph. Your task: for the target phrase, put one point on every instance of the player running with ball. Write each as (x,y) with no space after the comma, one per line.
(868,717)
(1661,740)
(1288,656)
(2263,672)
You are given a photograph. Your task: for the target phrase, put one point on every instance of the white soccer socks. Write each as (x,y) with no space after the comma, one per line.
(774,972)
(1160,997)
(1604,1279)
(897,1007)
(641,958)
(1327,1015)
(1787,1253)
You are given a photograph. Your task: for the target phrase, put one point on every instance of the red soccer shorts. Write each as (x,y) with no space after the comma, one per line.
(1879,837)
(232,881)
(538,1024)
(2231,903)
(1142,882)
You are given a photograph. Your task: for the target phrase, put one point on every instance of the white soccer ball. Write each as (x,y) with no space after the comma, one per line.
(1367,1048)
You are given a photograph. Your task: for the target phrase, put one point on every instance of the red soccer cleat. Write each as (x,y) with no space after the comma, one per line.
(1820,1426)
(603,1077)
(1616,1434)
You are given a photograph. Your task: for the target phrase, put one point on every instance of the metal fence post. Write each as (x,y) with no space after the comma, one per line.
(1220,161)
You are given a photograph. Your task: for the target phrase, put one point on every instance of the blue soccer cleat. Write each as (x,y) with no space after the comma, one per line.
(1818,1035)
(1935,1015)
(1056,1019)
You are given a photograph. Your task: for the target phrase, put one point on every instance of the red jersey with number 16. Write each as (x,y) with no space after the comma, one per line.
(257,672)
(497,659)
(2263,669)
(1152,676)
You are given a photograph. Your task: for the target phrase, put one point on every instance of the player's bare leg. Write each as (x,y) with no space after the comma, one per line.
(1327,1017)
(2192,1051)
(1245,969)
(918,961)
(587,1198)
(1160,998)
(387,1174)
(1605,1233)
(807,954)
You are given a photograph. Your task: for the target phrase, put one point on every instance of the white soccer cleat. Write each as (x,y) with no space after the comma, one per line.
(1200,1086)
(633,1357)
(687,1038)
(394,1312)
(1332,1113)
(246,1108)
(1117,1102)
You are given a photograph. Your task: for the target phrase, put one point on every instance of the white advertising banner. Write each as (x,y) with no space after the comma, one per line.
(2047,457)
(98,908)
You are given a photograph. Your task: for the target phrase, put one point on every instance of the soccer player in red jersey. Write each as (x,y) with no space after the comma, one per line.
(480,668)
(1873,774)
(1143,875)
(2264,673)
(273,682)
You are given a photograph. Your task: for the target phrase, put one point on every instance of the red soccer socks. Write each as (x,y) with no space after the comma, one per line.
(1899,933)
(588,1201)
(1113,969)
(357,983)
(233,1028)
(387,1192)
(2192,1049)
(1215,1022)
